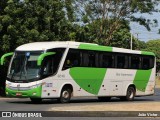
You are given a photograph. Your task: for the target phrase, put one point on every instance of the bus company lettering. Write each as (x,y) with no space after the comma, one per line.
(123,74)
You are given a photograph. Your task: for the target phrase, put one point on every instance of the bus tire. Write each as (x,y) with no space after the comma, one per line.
(130,93)
(36,100)
(65,95)
(104,99)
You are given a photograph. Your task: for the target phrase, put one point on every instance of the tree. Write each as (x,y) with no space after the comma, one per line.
(121,37)
(110,13)
(25,21)
(141,45)
(153,46)
(3,4)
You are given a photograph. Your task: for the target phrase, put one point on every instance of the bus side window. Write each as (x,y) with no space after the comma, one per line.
(106,60)
(47,66)
(152,59)
(122,61)
(88,59)
(85,59)
(72,59)
(135,62)
(148,62)
(91,59)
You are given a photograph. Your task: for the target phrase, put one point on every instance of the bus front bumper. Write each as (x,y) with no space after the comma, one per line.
(32,93)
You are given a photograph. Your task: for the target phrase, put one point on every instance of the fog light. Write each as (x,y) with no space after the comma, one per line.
(34,93)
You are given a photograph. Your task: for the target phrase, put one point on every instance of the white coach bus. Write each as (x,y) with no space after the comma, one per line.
(62,70)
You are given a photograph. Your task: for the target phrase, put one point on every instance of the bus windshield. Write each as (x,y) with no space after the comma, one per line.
(24,66)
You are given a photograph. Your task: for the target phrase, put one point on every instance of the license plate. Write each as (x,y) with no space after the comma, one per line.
(18,94)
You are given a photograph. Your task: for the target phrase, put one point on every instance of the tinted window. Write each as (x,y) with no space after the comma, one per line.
(48,66)
(121,61)
(73,59)
(88,59)
(106,60)
(135,62)
(148,62)
(81,58)
(51,63)
(100,59)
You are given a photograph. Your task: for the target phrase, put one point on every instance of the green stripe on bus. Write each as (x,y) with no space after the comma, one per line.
(42,56)
(2,59)
(147,53)
(141,79)
(95,47)
(89,79)
(25,93)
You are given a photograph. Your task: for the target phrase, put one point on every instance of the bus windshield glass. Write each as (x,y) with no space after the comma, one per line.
(24,66)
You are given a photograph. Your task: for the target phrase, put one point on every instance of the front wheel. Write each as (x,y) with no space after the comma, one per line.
(65,95)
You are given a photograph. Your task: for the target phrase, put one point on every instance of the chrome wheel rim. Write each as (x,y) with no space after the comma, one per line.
(131,94)
(65,94)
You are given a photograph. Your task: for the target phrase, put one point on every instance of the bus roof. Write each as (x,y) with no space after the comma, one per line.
(42,46)
(35,46)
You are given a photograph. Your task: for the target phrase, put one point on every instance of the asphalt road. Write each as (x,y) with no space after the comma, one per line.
(17,104)
(24,104)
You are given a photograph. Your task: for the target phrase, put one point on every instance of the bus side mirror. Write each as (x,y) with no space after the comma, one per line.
(2,60)
(42,56)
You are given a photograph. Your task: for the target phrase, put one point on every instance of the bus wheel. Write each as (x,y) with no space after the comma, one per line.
(65,95)
(36,100)
(104,99)
(130,93)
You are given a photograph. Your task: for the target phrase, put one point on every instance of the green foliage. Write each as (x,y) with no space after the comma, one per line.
(34,20)
(110,13)
(23,21)
(153,46)
(120,38)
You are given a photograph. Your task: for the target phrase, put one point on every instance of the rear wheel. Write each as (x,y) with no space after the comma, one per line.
(36,100)
(130,94)
(65,95)
(104,99)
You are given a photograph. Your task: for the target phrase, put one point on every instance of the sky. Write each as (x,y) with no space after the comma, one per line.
(143,33)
